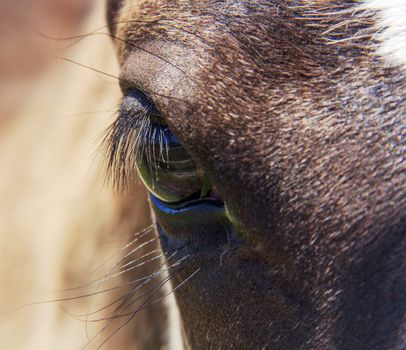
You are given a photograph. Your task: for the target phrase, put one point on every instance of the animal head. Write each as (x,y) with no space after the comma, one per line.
(270,137)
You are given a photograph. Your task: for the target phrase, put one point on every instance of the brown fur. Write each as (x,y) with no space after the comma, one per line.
(286,107)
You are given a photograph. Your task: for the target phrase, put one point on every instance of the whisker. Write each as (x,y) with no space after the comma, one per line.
(150,53)
(139,258)
(130,253)
(144,280)
(91,68)
(90,113)
(126,297)
(132,293)
(98,292)
(143,306)
(135,266)
(172,290)
(163,297)
(155,290)
(80,37)
(138,235)
(119,78)
(67,38)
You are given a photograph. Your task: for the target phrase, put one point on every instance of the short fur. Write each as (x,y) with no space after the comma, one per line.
(298,122)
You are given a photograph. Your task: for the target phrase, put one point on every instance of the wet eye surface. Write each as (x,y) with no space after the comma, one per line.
(166,169)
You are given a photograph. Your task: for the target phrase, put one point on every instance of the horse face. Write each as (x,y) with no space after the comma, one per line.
(269,137)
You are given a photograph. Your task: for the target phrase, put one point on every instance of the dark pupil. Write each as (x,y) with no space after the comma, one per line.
(165,167)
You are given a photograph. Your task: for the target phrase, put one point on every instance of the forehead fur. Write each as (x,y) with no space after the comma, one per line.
(334,24)
(386,20)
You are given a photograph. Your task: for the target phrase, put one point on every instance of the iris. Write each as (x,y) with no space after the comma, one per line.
(166,169)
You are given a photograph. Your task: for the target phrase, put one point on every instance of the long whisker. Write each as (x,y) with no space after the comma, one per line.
(132,251)
(129,43)
(126,297)
(119,79)
(154,291)
(144,304)
(163,297)
(91,68)
(132,266)
(144,281)
(80,37)
(88,294)
(133,292)
(125,271)
(138,235)
(111,111)
(172,290)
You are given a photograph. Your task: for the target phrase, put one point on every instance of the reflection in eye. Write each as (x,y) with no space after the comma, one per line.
(140,139)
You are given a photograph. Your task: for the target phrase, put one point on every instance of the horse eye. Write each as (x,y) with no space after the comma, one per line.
(165,167)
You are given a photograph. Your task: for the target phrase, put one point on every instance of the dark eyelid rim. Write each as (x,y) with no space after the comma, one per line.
(143,99)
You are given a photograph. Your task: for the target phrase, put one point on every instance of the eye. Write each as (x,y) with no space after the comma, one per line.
(165,167)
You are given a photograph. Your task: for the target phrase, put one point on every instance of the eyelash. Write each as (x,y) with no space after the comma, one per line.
(127,140)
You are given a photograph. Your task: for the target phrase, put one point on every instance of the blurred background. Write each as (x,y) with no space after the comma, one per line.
(23,53)
(58,219)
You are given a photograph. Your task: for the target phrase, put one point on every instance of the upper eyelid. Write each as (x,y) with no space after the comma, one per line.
(125,141)
(143,98)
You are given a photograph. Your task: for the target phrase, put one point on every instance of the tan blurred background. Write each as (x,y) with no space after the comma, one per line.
(58,219)
(23,53)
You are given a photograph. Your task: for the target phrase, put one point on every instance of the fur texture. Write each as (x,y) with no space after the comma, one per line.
(298,123)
